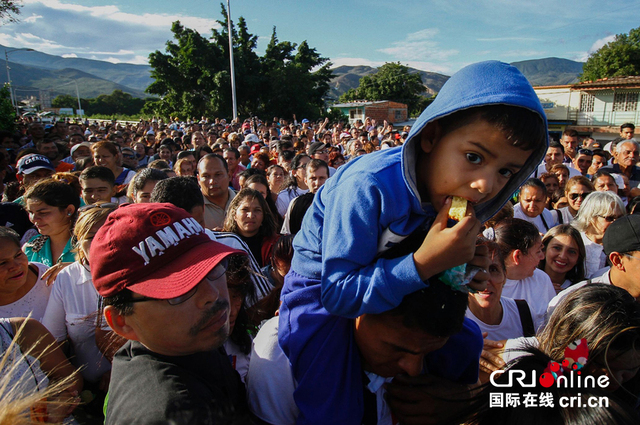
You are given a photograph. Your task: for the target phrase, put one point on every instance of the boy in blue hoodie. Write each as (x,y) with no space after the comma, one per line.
(479,140)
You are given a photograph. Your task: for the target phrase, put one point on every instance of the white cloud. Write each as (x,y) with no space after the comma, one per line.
(419,47)
(32,18)
(113,13)
(355,62)
(600,43)
(583,56)
(509,39)
(95,32)
(69,55)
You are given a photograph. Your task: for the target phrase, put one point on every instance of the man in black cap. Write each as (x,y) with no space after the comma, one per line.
(621,244)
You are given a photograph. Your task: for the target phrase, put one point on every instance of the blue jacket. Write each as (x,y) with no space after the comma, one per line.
(364,209)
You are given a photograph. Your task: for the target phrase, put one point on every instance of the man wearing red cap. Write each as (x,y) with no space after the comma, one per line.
(164,288)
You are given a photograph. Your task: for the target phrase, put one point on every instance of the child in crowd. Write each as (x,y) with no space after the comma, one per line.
(98,184)
(479,140)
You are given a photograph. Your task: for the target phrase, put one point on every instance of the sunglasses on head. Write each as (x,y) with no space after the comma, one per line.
(585,152)
(575,196)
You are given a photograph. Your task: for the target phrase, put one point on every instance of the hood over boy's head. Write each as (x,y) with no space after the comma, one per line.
(490,96)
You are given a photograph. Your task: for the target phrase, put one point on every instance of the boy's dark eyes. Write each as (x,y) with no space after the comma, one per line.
(506,173)
(474,158)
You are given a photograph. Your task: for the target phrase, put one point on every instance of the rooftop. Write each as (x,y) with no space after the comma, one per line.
(609,83)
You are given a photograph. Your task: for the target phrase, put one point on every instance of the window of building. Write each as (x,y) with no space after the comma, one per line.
(625,102)
(586,102)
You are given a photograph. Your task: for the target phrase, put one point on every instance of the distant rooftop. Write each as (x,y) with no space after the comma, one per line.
(610,83)
(357,103)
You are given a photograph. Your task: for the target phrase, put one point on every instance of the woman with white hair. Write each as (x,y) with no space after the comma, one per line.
(596,214)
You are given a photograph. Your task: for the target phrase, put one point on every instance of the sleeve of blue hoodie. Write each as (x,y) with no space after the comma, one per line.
(374,202)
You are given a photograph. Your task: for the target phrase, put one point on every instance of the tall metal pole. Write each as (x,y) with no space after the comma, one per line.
(6,61)
(78,95)
(233,73)
(14,102)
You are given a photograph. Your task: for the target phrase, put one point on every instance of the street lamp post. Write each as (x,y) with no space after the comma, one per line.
(233,74)
(14,103)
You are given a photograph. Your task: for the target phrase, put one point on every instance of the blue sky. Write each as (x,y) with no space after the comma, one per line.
(432,35)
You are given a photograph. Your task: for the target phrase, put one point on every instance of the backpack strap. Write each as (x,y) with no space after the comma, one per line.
(526,320)
(560,217)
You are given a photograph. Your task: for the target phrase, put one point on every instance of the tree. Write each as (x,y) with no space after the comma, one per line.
(618,58)
(64,101)
(7,113)
(9,9)
(394,82)
(193,78)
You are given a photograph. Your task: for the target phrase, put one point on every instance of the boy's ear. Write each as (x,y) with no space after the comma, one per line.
(118,323)
(429,136)
(616,260)
(113,191)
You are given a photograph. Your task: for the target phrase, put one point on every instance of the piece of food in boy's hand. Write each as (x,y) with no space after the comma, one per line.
(458,208)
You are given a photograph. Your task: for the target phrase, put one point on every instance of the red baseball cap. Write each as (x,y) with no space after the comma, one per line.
(155,250)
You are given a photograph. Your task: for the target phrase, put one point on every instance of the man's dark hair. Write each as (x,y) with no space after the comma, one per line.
(627,125)
(211,156)
(147,175)
(314,164)
(233,151)
(184,154)
(204,148)
(287,155)
(601,173)
(520,126)
(557,145)
(98,172)
(570,133)
(250,172)
(183,192)
(532,182)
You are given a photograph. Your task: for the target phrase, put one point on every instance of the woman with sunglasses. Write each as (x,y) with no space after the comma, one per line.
(576,190)
(596,214)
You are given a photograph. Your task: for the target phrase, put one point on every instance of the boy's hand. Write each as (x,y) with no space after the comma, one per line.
(444,248)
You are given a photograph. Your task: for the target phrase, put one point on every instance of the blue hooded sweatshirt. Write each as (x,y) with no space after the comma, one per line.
(367,207)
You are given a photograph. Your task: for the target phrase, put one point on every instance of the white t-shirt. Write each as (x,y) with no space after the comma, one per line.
(603,278)
(33,302)
(72,312)
(537,290)
(543,222)
(286,196)
(270,383)
(239,360)
(509,327)
(595,258)
(567,218)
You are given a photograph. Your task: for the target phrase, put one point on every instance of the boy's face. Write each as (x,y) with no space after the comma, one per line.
(473,162)
(96,190)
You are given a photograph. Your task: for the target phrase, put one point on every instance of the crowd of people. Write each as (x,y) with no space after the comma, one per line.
(281,272)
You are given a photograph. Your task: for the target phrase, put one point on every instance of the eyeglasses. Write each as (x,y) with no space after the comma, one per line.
(128,156)
(575,196)
(215,274)
(106,205)
(631,256)
(609,218)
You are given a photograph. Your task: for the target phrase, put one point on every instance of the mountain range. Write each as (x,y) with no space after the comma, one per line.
(32,71)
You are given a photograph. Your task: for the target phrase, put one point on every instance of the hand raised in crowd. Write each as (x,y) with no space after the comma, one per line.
(490,359)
